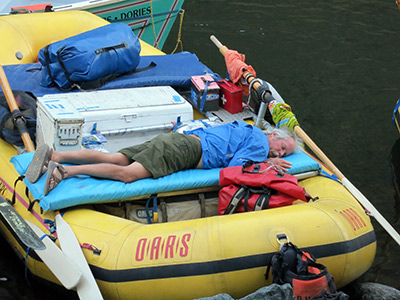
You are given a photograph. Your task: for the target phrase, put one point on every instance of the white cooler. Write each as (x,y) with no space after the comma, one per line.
(124,117)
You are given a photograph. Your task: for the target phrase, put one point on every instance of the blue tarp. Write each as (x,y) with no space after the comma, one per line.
(79,190)
(173,69)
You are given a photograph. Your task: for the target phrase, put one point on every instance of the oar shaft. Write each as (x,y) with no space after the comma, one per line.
(318,152)
(12,104)
(348,185)
(321,155)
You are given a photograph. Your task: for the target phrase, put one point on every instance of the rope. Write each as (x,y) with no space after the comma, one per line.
(179,41)
(152,23)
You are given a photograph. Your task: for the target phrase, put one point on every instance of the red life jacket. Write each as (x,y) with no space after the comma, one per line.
(257,186)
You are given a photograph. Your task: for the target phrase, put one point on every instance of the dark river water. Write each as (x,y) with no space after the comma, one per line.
(336,63)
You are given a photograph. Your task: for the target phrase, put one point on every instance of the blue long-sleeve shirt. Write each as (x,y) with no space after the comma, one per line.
(231,144)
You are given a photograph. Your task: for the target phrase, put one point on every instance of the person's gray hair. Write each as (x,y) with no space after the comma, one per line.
(285,133)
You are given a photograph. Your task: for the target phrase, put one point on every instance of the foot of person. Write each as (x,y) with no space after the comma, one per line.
(39,163)
(55,174)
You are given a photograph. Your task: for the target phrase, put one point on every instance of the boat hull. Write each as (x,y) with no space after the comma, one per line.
(151,20)
(203,257)
(194,258)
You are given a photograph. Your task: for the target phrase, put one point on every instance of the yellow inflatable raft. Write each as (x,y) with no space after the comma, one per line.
(190,258)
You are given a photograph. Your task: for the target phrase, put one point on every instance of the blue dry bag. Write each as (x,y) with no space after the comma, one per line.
(92,57)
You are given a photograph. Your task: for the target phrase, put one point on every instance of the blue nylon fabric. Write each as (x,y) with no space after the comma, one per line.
(395,110)
(82,59)
(84,189)
(172,69)
(232,144)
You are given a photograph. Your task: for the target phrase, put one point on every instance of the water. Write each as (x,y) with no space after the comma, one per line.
(336,63)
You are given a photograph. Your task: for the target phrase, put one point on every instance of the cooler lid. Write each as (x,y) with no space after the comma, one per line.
(59,109)
(120,99)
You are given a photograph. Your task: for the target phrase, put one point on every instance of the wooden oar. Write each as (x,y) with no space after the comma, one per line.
(62,266)
(14,109)
(308,141)
(87,287)
(34,238)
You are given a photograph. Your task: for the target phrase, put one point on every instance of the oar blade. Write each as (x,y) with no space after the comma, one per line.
(59,264)
(87,288)
(19,227)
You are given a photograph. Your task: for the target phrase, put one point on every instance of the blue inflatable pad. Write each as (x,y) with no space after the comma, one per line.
(173,69)
(80,190)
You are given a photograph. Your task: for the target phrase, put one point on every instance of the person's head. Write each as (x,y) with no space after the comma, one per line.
(282,142)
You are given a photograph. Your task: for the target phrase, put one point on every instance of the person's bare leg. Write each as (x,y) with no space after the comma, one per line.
(89,156)
(129,173)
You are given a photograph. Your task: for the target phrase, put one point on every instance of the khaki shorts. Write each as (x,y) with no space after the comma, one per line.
(166,154)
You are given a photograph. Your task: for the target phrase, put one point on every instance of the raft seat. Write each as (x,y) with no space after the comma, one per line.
(79,190)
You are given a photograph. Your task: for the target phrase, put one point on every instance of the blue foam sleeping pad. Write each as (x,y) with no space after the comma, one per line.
(81,189)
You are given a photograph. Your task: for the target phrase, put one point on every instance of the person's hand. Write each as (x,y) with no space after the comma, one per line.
(279,163)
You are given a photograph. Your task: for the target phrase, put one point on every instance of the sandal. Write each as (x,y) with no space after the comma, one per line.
(39,163)
(53,175)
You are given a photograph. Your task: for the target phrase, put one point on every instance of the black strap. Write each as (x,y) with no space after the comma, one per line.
(47,58)
(20,178)
(236,199)
(105,49)
(246,165)
(64,70)
(243,194)
(246,200)
(94,84)
(202,202)
(263,200)
(32,203)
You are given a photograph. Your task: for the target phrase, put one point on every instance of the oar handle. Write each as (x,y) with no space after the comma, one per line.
(12,104)
(219,45)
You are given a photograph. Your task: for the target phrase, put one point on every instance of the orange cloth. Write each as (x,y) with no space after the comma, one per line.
(236,67)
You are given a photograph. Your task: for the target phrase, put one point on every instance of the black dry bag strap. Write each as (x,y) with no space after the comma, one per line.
(263,200)
(249,163)
(64,70)
(105,49)
(46,56)
(237,197)
(94,84)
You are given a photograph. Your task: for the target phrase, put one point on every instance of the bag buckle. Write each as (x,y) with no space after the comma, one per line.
(281,237)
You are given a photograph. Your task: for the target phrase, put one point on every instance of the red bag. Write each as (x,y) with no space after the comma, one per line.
(257,186)
(308,278)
